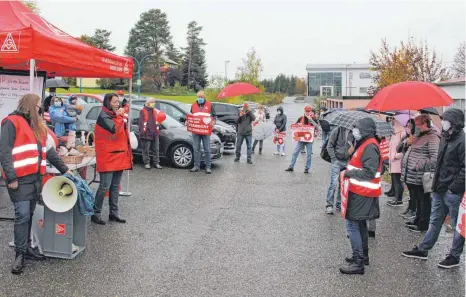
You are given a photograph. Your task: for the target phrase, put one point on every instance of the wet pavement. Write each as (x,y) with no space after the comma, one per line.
(245,230)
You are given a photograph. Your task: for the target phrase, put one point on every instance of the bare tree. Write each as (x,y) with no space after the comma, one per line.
(458,67)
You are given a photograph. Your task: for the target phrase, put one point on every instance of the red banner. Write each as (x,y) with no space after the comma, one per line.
(199,124)
(303,133)
(344,185)
(461,221)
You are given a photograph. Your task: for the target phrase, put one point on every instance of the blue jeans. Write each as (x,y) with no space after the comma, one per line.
(197,150)
(335,170)
(299,147)
(108,181)
(24,211)
(239,143)
(359,237)
(279,146)
(442,204)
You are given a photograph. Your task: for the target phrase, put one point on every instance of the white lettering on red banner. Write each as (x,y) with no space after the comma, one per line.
(303,133)
(116,65)
(199,124)
(9,44)
(60,229)
(461,222)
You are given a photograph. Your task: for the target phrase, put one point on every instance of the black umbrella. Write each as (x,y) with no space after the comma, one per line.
(429,110)
(56,83)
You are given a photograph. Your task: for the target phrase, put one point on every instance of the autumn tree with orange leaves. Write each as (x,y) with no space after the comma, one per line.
(410,61)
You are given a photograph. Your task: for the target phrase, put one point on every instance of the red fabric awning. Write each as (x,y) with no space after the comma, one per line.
(25,35)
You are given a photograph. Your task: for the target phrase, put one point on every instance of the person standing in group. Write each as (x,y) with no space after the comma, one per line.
(420,158)
(280,126)
(59,117)
(202,106)
(24,149)
(149,134)
(113,155)
(362,178)
(305,120)
(244,122)
(338,144)
(395,164)
(410,212)
(448,188)
(260,117)
(325,126)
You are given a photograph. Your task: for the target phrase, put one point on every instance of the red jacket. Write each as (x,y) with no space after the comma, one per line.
(384,150)
(371,188)
(112,146)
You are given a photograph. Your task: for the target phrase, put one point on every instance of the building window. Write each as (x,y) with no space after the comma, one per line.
(364,75)
(319,79)
(362,90)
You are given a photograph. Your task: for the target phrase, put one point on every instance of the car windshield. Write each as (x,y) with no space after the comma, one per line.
(171,123)
(185,107)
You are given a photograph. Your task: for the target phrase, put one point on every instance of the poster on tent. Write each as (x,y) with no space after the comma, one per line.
(303,133)
(461,222)
(13,87)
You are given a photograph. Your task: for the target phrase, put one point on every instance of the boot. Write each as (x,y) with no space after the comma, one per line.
(260,151)
(97,220)
(32,254)
(366,258)
(18,264)
(116,218)
(355,267)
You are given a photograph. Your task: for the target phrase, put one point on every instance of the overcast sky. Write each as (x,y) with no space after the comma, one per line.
(287,34)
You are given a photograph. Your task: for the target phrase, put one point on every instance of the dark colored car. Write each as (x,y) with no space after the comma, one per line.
(178,111)
(176,143)
(226,112)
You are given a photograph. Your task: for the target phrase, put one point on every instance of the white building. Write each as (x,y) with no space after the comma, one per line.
(456,89)
(338,79)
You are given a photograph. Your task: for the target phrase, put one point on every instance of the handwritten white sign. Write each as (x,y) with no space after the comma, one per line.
(12,88)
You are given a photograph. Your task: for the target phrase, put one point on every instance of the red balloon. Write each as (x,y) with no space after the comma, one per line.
(161,116)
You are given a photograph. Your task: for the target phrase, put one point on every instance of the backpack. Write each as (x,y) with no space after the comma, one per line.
(324,152)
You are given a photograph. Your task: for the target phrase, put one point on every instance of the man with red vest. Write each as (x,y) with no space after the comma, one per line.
(149,134)
(307,120)
(362,182)
(202,106)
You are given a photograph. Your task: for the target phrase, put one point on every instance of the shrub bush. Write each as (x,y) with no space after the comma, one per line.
(176,90)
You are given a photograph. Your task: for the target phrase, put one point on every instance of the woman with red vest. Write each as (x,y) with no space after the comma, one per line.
(149,134)
(24,149)
(362,179)
(113,154)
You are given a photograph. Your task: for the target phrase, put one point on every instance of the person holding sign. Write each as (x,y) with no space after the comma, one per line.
(149,134)
(200,123)
(448,189)
(306,124)
(361,188)
(25,146)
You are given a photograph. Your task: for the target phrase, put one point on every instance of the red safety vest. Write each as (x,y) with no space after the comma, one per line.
(384,150)
(302,121)
(146,117)
(25,151)
(371,188)
(207,107)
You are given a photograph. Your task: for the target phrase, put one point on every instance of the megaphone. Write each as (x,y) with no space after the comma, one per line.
(59,194)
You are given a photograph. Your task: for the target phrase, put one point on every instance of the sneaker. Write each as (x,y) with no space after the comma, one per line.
(410,224)
(395,202)
(306,170)
(415,229)
(236,159)
(147,166)
(389,193)
(157,166)
(283,154)
(449,262)
(195,169)
(249,161)
(410,215)
(208,171)
(276,153)
(329,210)
(416,254)
(289,169)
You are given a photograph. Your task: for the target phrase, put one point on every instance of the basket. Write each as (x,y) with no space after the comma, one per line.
(86,149)
(73,159)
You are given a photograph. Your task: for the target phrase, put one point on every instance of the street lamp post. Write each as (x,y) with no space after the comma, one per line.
(138,82)
(226,73)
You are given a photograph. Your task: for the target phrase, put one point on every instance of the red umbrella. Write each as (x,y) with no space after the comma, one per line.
(411,95)
(238,89)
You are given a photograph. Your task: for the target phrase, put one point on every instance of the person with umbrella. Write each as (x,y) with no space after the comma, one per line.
(448,188)
(307,120)
(395,164)
(362,183)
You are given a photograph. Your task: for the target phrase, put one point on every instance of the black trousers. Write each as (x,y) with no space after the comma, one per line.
(423,204)
(397,186)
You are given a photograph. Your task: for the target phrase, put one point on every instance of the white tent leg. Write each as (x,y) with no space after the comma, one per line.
(32,68)
(127,192)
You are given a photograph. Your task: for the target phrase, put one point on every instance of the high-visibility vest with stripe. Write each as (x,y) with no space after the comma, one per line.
(206,108)
(384,150)
(25,151)
(371,188)
(146,118)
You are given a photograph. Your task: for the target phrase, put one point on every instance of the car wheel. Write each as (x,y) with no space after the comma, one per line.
(182,156)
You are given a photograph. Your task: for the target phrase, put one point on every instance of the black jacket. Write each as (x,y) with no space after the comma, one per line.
(280,120)
(361,208)
(450,169)
(30,185)
(245,123)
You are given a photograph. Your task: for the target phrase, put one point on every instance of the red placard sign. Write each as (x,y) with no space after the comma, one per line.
(199,123)
(60,229)
(279,138)
(344,185)
(461,222)
(303,133)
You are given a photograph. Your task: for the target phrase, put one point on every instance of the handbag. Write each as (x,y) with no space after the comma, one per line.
(427,180)
(324,152)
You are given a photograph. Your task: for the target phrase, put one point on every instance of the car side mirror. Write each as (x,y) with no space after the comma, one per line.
(182,119)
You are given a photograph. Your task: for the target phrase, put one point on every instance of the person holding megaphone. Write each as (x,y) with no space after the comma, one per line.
(113,154)
(25,145)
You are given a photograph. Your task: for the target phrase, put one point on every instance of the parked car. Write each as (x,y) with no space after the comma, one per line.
(226,112)
(176,143)
(178,111)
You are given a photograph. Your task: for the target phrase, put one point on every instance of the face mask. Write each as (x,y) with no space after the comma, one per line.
(57,104)
(152,105)
(357,134)
(200,100)
(446,125)
(279,112)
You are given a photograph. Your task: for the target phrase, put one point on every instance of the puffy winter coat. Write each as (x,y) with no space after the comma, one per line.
(59,119)
(395,158)
(280,120)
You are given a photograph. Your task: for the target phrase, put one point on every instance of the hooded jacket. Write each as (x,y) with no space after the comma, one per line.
(60,119)
(338,145)
(361,208)
(280,120)
(450,169)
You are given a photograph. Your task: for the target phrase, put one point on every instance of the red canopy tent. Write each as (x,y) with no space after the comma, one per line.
(26,36)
